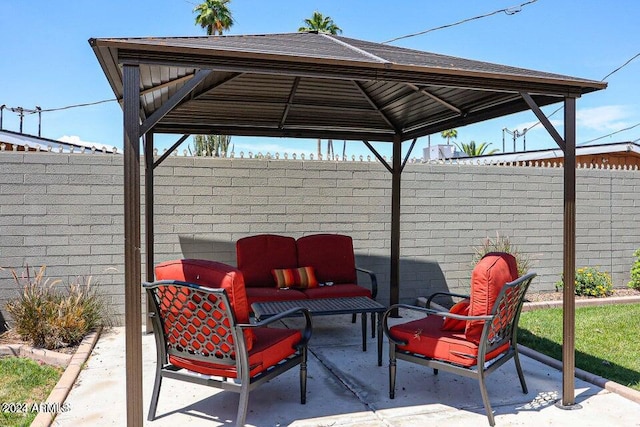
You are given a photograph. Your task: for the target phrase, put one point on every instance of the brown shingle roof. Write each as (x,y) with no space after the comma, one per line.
(318,85)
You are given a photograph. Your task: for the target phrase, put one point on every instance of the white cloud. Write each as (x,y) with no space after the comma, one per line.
(600,119)
(603,119)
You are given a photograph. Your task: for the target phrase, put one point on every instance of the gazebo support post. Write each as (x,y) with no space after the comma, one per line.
(396,177)
(132,273)
(568,146)
(148,221)
(569,265)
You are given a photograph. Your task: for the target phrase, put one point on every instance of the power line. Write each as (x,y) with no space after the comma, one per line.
(509,11)
(611,134)
(621,67)
(87,104)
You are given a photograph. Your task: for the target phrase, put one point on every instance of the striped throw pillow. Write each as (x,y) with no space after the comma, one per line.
(303,277)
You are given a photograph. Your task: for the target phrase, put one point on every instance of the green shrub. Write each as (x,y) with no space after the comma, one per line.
(635,272)
(50,317)
(502,244)
(591,282)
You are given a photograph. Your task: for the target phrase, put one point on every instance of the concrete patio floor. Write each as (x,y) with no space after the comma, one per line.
(346,387)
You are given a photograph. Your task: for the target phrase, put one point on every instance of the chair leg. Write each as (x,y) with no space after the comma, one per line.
(485,398)
(392,370)
(154,395)
(243,404)
(516,358)
(303,377)
(353,318)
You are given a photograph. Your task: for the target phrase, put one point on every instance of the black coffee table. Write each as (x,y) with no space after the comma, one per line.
(330,306)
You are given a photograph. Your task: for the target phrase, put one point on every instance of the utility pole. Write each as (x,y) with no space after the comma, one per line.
(516,134)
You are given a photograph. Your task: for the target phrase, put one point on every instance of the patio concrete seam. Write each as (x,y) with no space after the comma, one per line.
(349,387)
(597,380)
(56,398)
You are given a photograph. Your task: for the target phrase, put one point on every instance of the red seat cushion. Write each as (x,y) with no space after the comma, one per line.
(257,255)
(271,346)
(273,294)
(338,291)
(491,273)
(426,337)
(331,256)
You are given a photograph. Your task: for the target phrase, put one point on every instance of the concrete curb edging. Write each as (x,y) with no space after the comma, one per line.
(604,383)
(581,302)
(49,357)
(55,401)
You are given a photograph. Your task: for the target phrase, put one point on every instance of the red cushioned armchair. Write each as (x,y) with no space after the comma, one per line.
(203,334)
(474,338)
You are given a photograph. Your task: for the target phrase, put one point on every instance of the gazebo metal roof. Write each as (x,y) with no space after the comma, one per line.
(310,85)
(320,86)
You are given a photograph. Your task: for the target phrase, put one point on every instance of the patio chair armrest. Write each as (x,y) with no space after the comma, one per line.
(306,333)
(427,311)
(440,294)
(373,279)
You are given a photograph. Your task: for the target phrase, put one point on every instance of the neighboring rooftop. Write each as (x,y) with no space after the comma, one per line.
(613,154)
(14,141)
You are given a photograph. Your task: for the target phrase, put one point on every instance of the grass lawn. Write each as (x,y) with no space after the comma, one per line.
(606,341)
(23,384)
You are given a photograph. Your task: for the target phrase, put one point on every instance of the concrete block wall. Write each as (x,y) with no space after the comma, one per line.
(65,211)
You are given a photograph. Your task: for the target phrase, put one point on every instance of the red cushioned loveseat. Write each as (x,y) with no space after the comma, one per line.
(281,268)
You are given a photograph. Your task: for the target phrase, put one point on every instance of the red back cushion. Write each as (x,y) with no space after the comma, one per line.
(331,256)
(487,279)
(257,255)
(211,274)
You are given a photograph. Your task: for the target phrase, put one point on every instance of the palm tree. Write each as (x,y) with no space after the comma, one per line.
(449,134)
(320,23)
(214,16)
(471,150)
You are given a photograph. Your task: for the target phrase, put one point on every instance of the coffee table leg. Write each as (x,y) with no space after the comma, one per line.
(364,331)
(379,325)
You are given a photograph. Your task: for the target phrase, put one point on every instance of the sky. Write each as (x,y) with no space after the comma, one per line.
(46,60)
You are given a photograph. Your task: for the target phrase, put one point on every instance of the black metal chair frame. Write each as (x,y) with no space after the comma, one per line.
(495,334)
(237,357)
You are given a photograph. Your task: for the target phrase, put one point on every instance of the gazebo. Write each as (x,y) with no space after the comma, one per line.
(314,85)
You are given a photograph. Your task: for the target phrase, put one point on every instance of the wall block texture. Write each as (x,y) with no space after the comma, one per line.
(66,211)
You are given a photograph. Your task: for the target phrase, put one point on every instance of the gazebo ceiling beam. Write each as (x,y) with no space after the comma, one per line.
(217,85)
(292,94)
(496,109)
(273,131)
(328,70)
(376,107)
(435,98)
(177,97)
(161,86)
